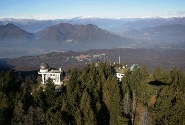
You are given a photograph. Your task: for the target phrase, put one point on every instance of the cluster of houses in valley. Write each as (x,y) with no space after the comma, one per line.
(57,75)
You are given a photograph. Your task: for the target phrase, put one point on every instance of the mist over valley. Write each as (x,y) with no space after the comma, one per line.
(134,39)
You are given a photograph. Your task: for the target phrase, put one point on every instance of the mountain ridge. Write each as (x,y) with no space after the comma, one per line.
(164,36)
(77,33)
(66,36)
(63,35)
(12,34)
(110,24)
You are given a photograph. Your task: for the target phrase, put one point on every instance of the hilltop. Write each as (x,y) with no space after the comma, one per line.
(11,35)
(167,59)
(62,36)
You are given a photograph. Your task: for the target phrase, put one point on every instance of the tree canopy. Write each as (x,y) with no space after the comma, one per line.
(93,95)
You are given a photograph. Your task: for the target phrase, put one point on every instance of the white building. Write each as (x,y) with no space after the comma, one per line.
(120,72)
(119,76)
(46,72)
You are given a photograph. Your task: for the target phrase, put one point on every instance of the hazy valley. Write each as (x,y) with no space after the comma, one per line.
(151,42)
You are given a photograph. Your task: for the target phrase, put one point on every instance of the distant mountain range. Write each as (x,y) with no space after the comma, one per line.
(112,25)
(155,41)
(11,34)
(28,36)
(165,36)
(66,32)
(176,30)
(63,35)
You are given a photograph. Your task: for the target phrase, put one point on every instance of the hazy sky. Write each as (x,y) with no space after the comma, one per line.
(50,9)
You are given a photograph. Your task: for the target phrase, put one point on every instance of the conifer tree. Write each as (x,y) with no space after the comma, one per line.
(127,104)
(74,91)
(79,117)
(169,107)
(9,87)
(39,99)
(18,114)
(144,73)
(5,109)
(116,113)
(10,83)
(133,106)
(89,117)
(50,94)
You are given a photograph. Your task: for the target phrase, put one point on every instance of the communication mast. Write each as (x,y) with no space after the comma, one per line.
(119,61)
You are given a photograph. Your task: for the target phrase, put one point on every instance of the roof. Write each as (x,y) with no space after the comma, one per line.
(120,70)
(55,71)
(44,66)
(133,66)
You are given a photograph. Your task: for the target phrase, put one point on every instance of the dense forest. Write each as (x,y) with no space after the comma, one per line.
(93,95)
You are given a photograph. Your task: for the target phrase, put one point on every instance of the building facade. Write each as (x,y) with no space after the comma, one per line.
(54,75)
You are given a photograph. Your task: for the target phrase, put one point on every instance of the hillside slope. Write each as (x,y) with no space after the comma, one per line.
(66,32)
(13,35)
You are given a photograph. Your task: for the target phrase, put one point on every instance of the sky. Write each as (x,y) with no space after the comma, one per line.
(59,9)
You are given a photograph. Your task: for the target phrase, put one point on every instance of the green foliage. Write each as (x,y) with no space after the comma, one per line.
(39,99)
(94,96)
(5,109)
(9,86)
(86,109)
(24,95)
(116,113)
(9,83)
(170,104)
(32,116)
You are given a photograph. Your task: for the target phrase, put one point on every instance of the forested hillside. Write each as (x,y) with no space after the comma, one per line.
(93,95)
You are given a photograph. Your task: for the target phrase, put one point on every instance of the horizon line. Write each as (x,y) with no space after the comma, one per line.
(91,17)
